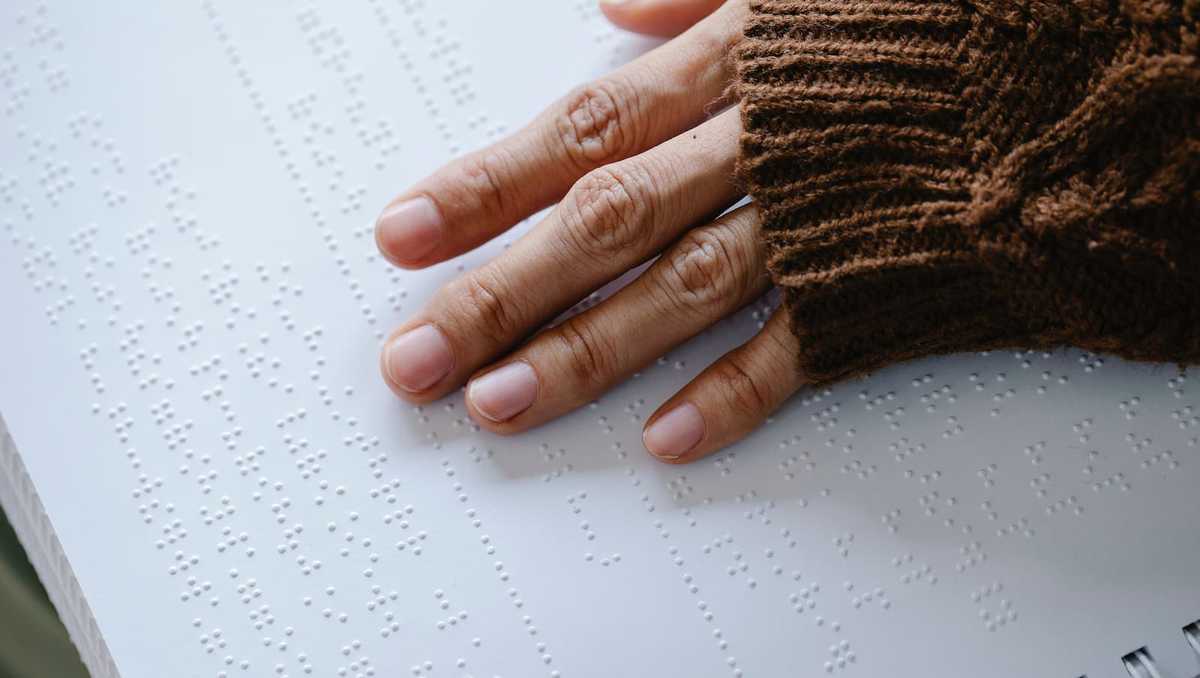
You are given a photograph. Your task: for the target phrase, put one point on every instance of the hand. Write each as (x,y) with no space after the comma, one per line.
(638,172)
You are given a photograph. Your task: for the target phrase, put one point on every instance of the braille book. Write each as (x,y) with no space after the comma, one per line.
(213,481)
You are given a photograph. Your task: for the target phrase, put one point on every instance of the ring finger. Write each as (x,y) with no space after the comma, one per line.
(711,272)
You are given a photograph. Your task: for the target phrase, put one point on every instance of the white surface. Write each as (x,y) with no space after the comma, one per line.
(192,308)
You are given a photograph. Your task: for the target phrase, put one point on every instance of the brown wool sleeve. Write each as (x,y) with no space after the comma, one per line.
(939,176)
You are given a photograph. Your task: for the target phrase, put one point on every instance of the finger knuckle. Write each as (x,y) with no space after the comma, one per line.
(482,175)
(606,212)
(591,358)
(702,271)
(744,393)
(597,124)
(783,351)
(482,306)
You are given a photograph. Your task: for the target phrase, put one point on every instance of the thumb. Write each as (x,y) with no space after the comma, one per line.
(663,18)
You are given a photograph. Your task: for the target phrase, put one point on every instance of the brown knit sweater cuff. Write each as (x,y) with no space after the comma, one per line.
(939,176)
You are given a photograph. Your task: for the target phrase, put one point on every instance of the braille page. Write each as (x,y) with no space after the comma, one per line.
(192,312)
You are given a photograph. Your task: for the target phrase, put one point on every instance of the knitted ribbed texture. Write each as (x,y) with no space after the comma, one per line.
(938,176)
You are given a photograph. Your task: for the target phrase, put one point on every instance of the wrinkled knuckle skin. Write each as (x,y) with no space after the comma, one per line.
(482,308)
(702,273)
(482,176)
(597,124)
(590,358)
(606,213)
(744,394)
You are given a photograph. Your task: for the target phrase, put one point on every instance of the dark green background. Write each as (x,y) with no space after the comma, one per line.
(33,643)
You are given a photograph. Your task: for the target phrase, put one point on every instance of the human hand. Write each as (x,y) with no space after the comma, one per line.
(639,170)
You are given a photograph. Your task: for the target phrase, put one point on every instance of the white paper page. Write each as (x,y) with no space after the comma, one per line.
(192,309)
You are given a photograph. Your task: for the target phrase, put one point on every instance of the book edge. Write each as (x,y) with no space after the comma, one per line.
(28,518)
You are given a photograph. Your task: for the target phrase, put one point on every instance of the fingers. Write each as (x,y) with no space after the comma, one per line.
(732,397)
(611,220)
(711,272)
(663,18)
(645,102)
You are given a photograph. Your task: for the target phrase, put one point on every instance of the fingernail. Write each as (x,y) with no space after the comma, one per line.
(418,359)
(504,393)
(675,433)
(409,230)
